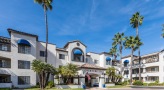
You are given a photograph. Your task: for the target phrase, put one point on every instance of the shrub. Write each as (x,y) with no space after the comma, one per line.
(156,81)
(122,83)
(140,83)
(50,84)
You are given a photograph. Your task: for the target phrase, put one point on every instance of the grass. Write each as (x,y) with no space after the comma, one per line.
(118,86)
(5,89)
(54,89)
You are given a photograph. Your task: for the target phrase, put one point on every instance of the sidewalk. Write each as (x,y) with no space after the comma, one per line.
(152,87)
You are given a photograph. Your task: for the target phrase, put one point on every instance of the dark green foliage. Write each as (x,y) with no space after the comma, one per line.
(139,83)
(50,84)
(123,83)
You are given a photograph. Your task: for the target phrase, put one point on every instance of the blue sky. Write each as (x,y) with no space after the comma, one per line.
(94,22)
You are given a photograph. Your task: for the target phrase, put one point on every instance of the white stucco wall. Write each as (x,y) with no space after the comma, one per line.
(15,56)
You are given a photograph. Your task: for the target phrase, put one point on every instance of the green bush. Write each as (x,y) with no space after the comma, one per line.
(139,83)
(122,83)
(50,84)
(156,81)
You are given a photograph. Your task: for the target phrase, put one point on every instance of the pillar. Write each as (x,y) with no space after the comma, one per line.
(101,81)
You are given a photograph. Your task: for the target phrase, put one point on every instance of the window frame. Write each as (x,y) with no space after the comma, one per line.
(62,56)
(42,52)
(24,64)
(97,61)
(23,80)
(24,49)
(5,63)
(7,47)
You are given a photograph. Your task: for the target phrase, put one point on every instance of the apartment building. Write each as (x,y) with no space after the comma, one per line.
(152,67)
(19,50)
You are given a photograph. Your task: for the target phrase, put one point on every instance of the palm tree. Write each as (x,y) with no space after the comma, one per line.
(112,76)
(163,31)
(132,43)
(135,22)
(47,5)
(68,71)
(111,73)
(118,41)
(113,52)
(43,70)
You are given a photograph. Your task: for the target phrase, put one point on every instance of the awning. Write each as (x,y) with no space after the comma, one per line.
(108,59)
(126,61)
(77,52)
(23,42)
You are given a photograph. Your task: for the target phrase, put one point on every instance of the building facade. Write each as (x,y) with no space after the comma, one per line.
(152,67)
(18,52)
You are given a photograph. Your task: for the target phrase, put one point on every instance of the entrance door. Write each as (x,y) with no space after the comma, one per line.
(87,81)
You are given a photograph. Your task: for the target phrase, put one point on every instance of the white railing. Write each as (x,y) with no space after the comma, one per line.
(5,85)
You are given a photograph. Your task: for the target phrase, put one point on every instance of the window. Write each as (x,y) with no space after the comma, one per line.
(4,47)
(24,49)
(107,62)
(96,61)
(42,53)
(5,78)
(126,64)
(23,64)
(86,60)
(23,80)
(5,63)
(126,72)
(77,55)
(61,56)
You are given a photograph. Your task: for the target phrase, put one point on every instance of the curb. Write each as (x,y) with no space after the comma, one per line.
(155,87)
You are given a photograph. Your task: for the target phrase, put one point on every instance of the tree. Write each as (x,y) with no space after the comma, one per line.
(132,43)
(113,52)
(113,77)
(163,31)
(135,22)
(47,5)
(68,71)
(43,70)
(118,41)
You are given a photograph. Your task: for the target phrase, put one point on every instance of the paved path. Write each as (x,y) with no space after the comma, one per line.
(123,89)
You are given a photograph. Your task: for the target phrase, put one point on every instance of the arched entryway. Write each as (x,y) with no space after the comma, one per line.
(91,80)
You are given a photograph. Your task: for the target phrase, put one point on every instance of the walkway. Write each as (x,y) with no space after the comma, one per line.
(122,89)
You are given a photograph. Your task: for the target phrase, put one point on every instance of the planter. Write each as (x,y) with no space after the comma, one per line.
(110,84)
(68,86)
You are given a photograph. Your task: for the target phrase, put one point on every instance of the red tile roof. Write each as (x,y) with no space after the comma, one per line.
(92,66)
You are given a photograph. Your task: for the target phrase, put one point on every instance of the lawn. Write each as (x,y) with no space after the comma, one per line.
(53,89)
(5,89)
(119,86)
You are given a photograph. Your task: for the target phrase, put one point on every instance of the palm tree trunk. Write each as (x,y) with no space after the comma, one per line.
(131,66)
(139,56)
(46,22)
(121,57)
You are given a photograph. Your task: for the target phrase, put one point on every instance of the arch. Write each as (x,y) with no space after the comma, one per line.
(77,55)
(23,42)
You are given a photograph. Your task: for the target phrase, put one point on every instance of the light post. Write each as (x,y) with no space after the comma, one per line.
(147,79)
(111,61)
(59,79)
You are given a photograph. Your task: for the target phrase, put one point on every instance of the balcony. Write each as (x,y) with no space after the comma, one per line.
(5,81)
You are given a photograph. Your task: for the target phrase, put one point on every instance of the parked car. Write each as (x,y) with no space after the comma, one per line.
(96,85)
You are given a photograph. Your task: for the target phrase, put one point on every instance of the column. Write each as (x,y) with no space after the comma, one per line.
(101,81)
